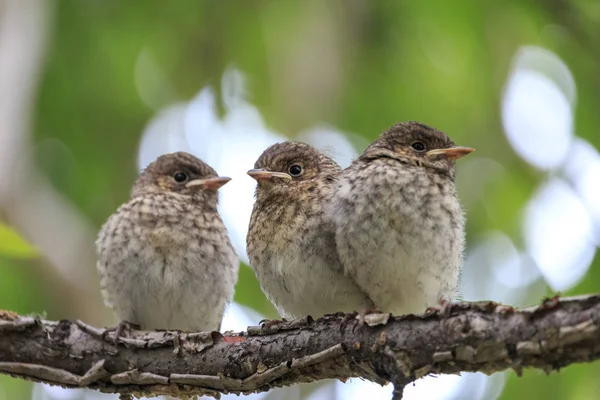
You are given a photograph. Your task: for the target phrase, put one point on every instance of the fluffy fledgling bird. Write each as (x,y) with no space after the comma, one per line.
(291,241)
(165,258)
(399,223)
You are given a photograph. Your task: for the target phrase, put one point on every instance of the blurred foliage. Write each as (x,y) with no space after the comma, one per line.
(247,291)
(443,63)
(13,282)
(14,246)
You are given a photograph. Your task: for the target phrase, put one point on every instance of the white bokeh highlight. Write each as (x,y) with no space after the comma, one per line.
(536,109)
(472,386)
(583,171)
(537,113)
(496,270)
(358,389)
(465,386)
(238,318)
(164,134)
(558,234)
(41,391)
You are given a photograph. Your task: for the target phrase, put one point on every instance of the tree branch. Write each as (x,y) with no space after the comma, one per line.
(485,337)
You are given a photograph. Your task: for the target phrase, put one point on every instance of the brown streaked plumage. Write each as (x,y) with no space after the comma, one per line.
(164,257)
(399,223)
(291,242)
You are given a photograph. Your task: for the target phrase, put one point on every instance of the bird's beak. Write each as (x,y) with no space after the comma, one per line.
(260,174)
(453,153)
(209,183)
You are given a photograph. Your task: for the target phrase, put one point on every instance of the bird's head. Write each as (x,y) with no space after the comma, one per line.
(420,145)
(180,173)
(293,169)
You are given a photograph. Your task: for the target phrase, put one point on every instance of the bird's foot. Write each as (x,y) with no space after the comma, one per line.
(272,324)
(444,309)
(363,317)
(346,320)
(123,329)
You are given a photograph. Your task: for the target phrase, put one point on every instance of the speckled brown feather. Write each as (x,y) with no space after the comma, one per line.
(164,257)
(399,224)
(291,242)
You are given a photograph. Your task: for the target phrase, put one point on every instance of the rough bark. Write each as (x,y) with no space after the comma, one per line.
(485,337)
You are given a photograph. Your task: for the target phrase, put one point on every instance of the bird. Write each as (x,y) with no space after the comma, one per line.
(400,227)
(165,258)
(291,239)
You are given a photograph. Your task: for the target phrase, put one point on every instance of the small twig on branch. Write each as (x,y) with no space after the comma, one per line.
(485,337)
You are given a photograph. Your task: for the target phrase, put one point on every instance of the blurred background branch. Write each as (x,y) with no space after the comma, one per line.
(27,199)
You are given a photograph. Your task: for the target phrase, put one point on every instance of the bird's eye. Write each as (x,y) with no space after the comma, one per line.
(180,177)
(418,146)
(296,170)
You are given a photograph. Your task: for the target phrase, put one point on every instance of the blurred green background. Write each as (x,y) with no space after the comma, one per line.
(76,98)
